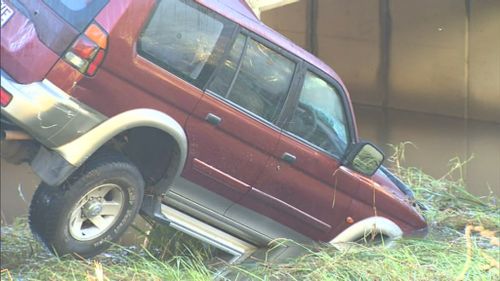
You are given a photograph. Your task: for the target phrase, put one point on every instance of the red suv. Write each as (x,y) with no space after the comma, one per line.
(195,114)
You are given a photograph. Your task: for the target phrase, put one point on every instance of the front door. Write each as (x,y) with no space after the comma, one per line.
(303,185)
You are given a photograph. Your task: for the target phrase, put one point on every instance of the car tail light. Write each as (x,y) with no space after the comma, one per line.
(5,97)
(87,52)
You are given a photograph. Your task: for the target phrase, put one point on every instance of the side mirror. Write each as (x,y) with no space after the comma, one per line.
(364,158)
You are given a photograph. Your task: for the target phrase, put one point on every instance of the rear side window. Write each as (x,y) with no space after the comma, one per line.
(185,38)
(78,13)
(255,78)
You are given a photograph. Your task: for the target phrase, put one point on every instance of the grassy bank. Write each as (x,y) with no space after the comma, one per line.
(462,245)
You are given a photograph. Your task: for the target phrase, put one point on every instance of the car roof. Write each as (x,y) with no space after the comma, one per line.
(240,12)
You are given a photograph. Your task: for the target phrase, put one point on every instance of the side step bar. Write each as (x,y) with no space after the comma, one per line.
(208,234)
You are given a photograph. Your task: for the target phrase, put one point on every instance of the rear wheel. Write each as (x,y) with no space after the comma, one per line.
(92,208)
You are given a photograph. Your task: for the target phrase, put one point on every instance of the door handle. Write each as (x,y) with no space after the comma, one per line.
(213,119)
(289,158)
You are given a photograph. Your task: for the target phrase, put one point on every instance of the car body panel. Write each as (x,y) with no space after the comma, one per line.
(19,44)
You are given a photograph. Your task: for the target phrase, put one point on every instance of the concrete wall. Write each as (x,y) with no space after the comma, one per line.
(437,140)
(427,56)
(484,60)
(359,39)
(440,57)
(290,20)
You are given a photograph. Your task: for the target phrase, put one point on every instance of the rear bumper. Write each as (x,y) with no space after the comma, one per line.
(47,113)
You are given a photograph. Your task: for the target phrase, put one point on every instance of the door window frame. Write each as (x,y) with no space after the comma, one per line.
(294,82)
(293,101)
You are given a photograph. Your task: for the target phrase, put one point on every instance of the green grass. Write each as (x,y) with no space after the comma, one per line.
(447,253)
(442,255)
(23,258)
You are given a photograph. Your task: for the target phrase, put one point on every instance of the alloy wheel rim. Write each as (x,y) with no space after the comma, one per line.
(96,212)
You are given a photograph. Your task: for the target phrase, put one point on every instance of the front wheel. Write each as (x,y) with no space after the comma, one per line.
(92,208)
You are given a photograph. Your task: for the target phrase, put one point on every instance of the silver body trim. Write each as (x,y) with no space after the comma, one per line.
(47,113)
(217,220)
(78,150)
(201,196)
(265,248)
(364,227)
(236,220)
(206,233)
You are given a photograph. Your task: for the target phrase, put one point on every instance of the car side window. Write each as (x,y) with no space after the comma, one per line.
(255,77)
(221,83)
(320,117)
(185,38)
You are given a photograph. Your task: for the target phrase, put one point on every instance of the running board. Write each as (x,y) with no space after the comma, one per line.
(208,234)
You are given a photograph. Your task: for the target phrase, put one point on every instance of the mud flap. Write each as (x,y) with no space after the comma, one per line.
(51,167)
(151,207)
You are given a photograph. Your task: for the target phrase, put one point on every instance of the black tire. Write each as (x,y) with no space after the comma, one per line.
(51,208)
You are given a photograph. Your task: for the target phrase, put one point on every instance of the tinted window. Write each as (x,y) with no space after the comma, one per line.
(78,13)
(260,78)
(183,38)
(320,116)
(221,83)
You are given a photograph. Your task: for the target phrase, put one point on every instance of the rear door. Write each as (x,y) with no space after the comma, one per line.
(232,131)
(36,33)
